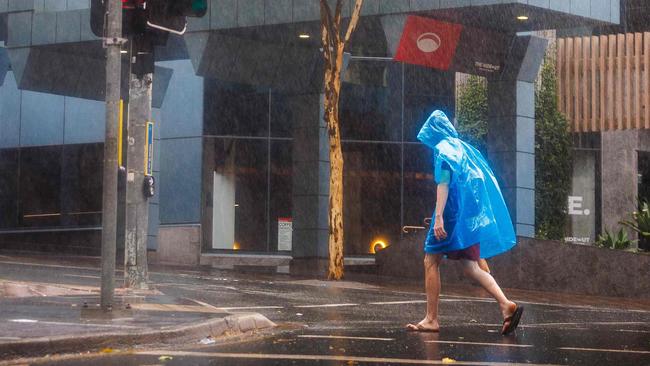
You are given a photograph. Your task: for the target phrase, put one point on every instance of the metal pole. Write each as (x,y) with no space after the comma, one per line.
(113,41)
(138,166)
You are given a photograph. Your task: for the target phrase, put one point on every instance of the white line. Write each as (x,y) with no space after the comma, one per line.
(252,308)
(603,350)
(344,337)
(256,356)
(398,302)
(92,325)
(633,330)
(483,344)
(535,325)
(33,321)
(325,306)
(205,304)
(80,276)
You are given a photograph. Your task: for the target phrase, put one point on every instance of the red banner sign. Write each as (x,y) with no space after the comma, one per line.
(428,42)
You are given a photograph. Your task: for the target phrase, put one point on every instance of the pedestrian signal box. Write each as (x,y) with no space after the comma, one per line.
(139,16)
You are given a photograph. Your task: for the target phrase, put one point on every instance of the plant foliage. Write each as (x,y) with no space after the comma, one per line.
(472,114)
(640,220)
(618,240)
(553,158)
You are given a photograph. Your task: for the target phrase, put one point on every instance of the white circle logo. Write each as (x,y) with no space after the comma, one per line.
(428,42)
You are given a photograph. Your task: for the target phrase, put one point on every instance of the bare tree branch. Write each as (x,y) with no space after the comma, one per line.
(327,28)
(338,13)
(354,19)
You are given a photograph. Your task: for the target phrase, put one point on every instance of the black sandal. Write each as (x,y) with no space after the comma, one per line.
(512,320)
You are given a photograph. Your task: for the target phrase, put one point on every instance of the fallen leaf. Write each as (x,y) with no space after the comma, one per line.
(106,350)
(165,358)
(448,360)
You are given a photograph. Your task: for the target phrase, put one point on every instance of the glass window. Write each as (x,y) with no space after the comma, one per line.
(239,195)
(236,110)
(281,115)
(425,90)
(40,186)
(372,178)
(9,188)
(371,100)
(81,191)
(419,185)
(281,190)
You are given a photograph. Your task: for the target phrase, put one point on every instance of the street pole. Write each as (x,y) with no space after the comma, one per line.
(113,42)
(138,167)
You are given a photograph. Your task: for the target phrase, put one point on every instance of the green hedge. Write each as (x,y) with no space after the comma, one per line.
(553,158)
(472,115)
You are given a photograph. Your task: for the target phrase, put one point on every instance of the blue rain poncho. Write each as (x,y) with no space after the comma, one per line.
(475,212)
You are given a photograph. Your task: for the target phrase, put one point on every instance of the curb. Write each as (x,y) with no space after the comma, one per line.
(239,323)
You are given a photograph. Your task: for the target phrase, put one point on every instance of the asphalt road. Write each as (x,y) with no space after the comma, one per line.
(352,323)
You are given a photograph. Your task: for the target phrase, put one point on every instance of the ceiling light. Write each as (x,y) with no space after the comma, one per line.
(522,17)
(123,51)
(304,35)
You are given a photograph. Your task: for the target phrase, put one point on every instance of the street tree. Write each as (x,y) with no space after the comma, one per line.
(333,44)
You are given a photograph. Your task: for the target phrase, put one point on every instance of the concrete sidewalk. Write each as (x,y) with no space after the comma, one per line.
(40,316)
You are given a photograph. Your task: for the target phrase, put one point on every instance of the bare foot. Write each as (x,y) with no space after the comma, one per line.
(424,326)
(508,309)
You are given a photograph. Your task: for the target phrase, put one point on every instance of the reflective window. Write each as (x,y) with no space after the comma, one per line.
(371,203)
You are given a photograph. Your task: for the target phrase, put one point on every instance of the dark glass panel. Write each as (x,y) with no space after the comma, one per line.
(371,196)
(40,186)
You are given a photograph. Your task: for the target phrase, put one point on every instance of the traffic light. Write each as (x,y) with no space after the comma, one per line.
(138,15)
(133,17)
(169,15)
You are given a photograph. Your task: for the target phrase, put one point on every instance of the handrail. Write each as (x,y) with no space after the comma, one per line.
(406,229)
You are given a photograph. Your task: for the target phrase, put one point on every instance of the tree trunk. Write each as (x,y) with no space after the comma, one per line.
(332,95)
(333,47)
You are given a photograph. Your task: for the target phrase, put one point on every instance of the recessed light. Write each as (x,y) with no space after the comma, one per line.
(522,17)
(304,35)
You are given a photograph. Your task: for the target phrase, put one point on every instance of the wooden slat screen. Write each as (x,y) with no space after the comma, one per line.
(604,81)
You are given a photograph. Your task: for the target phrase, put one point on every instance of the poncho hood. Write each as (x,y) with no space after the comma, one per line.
(437,128)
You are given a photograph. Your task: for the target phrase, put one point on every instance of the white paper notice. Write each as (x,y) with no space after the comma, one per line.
(284,233)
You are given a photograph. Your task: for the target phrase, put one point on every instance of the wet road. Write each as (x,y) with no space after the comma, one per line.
(349,323)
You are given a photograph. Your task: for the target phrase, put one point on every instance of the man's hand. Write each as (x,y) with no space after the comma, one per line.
(439,228)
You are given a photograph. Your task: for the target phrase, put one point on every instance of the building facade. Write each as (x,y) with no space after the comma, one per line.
(240,145)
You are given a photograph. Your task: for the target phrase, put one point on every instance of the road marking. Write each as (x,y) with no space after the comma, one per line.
(201,308)
(253,308)
(536,325)
(32,321)
(346,337)
(257,356)
(603,350)
(398,302)
(325,306)
(633,330)
(80,276)
(468,300)
(205,304)
(483,344)
(23,320)
(176,308)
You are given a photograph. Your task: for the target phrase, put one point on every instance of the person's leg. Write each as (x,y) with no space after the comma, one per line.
(432,285)
(482,263)
(472,270)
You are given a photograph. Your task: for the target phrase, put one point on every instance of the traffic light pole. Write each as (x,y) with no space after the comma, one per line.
(138,167)
(113,42)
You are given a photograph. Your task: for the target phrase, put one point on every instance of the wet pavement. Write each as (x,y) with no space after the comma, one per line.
(349,323)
